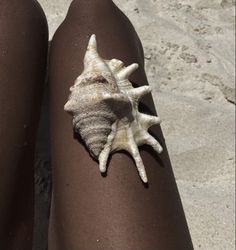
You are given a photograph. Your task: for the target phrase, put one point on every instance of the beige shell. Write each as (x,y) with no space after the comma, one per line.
(104,106)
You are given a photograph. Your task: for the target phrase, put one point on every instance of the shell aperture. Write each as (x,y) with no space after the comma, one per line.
(104,106)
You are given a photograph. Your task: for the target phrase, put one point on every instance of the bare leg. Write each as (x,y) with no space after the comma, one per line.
(117,212)
(23,46)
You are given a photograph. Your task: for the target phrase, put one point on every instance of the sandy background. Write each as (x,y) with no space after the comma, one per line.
(190,58)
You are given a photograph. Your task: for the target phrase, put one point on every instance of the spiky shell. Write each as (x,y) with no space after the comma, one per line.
(104,106)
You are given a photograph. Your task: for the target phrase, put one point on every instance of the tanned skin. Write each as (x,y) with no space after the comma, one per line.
(90,211)
(23,56)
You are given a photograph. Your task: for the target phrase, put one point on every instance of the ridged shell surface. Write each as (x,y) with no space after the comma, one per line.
(94,117)
(104,106)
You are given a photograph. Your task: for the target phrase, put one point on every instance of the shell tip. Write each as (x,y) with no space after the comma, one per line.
(102,169)
(150,89)
(92,42)
(144,179)
(136,65)
(67,107)
(160,150)
(127,71)
(93,37)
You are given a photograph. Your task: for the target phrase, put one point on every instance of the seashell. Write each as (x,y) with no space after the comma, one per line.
(104,106)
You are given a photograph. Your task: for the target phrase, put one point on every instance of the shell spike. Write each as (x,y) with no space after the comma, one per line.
(151,141)
(141,169)
(92,45)
(126,72)
(134,151)
(103,158)
(139,163)
(138,93)
(69,106)
(104,155)
(155,144)
(115,98)
(148,120)
(91,52)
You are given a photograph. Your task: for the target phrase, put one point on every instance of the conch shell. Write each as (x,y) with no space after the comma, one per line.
(104,106)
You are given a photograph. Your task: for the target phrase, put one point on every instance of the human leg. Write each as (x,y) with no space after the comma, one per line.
(115,212)
(23,53)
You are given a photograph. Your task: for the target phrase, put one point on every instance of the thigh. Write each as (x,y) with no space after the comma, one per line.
(114,212)
(23,46)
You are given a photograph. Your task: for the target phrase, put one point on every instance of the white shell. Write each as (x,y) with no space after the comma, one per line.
(104,106)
